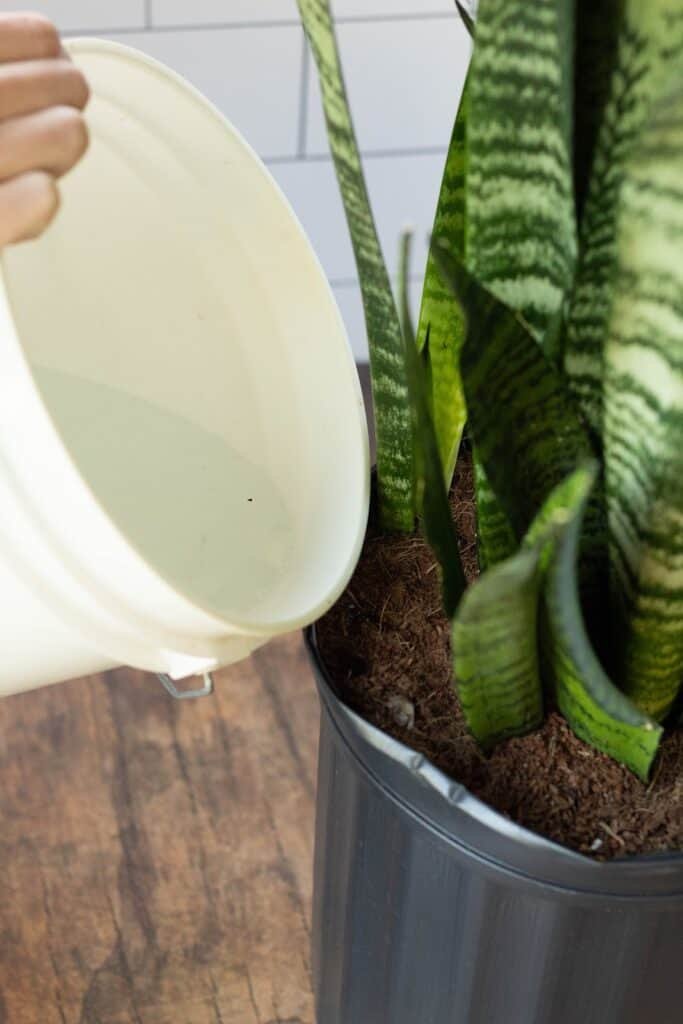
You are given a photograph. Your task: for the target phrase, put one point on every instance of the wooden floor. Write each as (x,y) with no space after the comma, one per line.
(156,854)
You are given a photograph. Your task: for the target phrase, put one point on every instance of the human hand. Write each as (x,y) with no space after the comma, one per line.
(42,129)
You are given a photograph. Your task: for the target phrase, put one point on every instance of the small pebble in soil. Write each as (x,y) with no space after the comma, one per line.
(402,711)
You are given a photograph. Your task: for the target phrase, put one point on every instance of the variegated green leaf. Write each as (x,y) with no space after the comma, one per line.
(527,431)
(390,394)
(429,483)
(495,630)
(495,650)
(495,641)
(495,537)
(651,39)
(596,710)
(644,411)
(439,312)
(521,225)
(467,19)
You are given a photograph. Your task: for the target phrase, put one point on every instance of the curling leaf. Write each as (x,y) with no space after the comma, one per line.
(596,710)
(495,642)
(495,650)
(495,630)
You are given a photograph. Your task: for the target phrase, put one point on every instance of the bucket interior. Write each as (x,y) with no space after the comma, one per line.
(188,351)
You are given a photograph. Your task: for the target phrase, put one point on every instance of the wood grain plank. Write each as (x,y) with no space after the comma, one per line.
(156,855)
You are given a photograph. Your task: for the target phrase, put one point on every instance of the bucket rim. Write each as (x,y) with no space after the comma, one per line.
(77,45)
(211,632)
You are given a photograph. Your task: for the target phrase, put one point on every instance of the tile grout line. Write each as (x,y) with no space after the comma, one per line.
(342,283)
(360,19)
(368,154)
(303,98)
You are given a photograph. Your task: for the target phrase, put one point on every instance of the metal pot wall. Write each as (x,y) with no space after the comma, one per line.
(431,908)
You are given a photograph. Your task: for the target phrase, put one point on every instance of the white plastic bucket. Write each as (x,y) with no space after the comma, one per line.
(183,449)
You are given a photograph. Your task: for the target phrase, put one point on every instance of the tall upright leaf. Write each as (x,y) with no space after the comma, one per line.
(440,315)
(527,430)
(644,410)
(436,514)
(596,710)
(467,18)
(521,226)
(651,39)
(496,539)
(390,394)
(520,236)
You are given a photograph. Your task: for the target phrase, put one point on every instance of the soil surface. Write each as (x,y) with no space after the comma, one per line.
(387,644)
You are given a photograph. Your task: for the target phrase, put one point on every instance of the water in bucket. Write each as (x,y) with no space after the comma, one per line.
(173,487)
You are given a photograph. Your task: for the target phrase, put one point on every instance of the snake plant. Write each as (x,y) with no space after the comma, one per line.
(551,324)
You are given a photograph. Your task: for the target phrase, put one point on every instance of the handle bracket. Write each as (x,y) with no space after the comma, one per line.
(203,691)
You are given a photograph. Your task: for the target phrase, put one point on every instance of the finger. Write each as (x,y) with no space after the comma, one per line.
(28,86)
(51,140)
(27,205)
(27,37)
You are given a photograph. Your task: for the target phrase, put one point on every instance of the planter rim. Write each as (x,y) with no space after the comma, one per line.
(447,807)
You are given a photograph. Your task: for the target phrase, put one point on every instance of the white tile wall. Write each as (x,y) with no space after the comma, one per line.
(370,8)
(197,12)
(252,74)
(88,15)
(403,79)
(311,187)
(405,62)
(403,190)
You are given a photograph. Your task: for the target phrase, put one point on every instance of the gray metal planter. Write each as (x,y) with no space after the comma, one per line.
(430,908)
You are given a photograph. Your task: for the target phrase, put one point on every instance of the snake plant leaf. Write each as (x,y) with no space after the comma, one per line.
(467,19)
(495,630)
(496,539)
(521,223)
(644,412)
(495,650)
(651,40)
(520,234)
(440,314)
(596,710)
(389,386)
(429,483)
(526,429)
